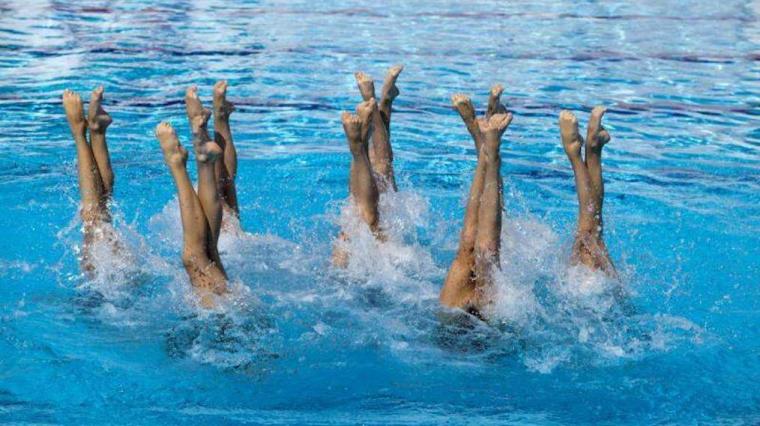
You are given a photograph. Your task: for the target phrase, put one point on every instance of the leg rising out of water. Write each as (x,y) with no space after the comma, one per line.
(469,279)
(91,159)
(226,170)
(362,184)
(588,248)
(205,274)
(381,152)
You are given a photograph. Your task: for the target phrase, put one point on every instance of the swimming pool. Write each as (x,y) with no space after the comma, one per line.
(302,343)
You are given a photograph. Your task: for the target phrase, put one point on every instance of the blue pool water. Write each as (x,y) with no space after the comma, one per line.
(299,342)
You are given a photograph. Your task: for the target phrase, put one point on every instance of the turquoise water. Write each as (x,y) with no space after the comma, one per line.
(298,342)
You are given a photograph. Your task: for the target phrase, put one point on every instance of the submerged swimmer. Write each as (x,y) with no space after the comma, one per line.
(589,248)
(96,178)
(368,135)
(469,281)
(202,211)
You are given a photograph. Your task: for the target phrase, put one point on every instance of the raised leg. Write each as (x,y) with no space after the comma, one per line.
(362,182)
(90,183)
(206,154)
(204,273)
(488,238)
(362,185)
(98,121)
(381,152)
(460,283)
(596,137)
(92,210)
(389,93)
(494,102)
(226,170)
(585,245)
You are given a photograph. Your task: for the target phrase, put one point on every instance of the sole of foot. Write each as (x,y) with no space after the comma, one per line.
(352,125)
(174,152)
(97,117)
(463,104)
(568,130)
(390,91)
(366,85)
(193,105)
(596,134)
(72,104)
(222,107)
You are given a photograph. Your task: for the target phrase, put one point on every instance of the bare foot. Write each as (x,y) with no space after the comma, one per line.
(352,125)
(98,119)
(72,104)
(366,85)
(365,110)
(496,125)
(174,153)
(596,135)
(222,107)
(463,105)
(208,151)
(196,114)
(494,101)
(568,130)
(390,91)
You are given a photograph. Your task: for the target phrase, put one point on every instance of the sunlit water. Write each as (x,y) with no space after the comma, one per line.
(300,342)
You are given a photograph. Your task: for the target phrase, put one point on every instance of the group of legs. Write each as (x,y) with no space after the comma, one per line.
(469,282)
(201,211)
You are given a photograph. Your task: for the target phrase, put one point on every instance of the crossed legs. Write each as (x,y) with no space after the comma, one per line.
(93,164)
(469,277)
(589,248)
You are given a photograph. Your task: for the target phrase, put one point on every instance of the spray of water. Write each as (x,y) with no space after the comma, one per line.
(286,297)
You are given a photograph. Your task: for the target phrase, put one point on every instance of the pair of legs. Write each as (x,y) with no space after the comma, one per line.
(96,177)
(469,278)
(201,211)
(371,164)
(380,152)
(589,248)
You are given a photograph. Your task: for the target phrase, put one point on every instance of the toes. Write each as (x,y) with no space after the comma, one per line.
(494,101)
(567,118)
(463,105)
(220,88)
(362,77)
(498,122)
(366,85)
(352,125)
(192,92)
(164,130)
(595,120)
(394,71)
(97,93)
(72,104)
